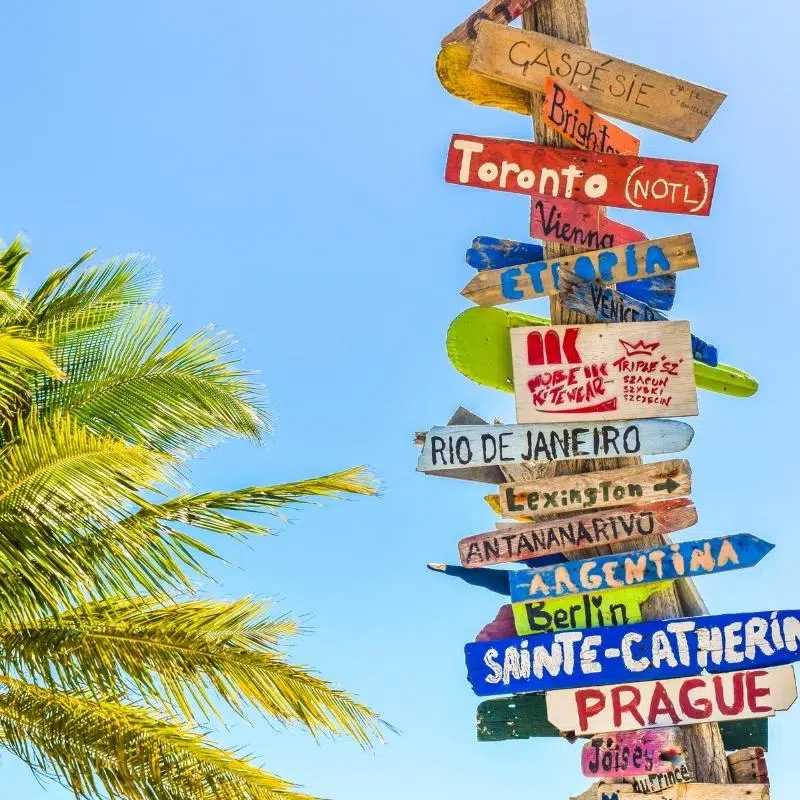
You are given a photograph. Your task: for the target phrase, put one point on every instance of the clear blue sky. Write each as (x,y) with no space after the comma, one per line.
(283,163)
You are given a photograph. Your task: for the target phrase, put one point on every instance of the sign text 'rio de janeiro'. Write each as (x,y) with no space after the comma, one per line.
(648,184)
(526,59)
(679,701)
(628,370)
(622,524)
(677,648)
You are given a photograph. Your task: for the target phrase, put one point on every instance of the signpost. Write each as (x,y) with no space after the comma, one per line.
(503,11)
(648,184)
(627,91)
(635,754)
(541,278)
(683,791)
(658,650)
(679,701)
(630,370)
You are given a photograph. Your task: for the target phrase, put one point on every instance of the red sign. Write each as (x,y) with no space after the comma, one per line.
(649,184)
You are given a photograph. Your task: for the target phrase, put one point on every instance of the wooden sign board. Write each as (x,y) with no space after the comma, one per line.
(487,252)
(501,627)
(663,103)
(631,754)
(502,11)
(540,279)
(749,766)
(683,791)
(479,347)
(605,304)
(629,370)
(651,565)
(522,167)
(617,525)
(679,701)
(662,781)
(524,716)
(646,651)
(569,116)
(466,446)
(591,610)
(640,484)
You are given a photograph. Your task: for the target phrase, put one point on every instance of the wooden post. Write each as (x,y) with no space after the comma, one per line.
(702,744)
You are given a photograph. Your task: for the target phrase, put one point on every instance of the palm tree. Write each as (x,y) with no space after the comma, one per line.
(105,677)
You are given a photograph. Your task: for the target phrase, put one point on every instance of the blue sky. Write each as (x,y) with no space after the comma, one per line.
(284,167)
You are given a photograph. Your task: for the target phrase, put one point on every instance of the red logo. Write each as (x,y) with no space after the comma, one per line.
(549,349)
(639,349)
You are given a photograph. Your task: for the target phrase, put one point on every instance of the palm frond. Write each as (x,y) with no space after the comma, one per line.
(11,258)
(103,747)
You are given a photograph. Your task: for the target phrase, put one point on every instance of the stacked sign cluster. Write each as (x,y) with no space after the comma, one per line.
(571,654)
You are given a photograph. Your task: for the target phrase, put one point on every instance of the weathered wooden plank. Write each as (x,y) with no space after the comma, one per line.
(609,85)
(522,167)
(683,791)
(629,370)
(677,774)
(620,524)
(502,11)
(631,754)
(641,483)
(638,567)
(488,252)
(678,701)
(524,716)
(467,446)
(645,651)
(479,347)
(569,116)
(493,287)
(501,627)
(749,766)
(604,304)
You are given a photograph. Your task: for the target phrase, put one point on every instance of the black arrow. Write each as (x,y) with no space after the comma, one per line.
(669,486)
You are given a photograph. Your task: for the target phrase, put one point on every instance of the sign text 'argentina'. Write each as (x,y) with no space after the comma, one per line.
(645,651)
(649,184)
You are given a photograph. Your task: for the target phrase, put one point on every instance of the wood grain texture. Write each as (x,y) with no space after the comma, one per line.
(568,115)
(749,766)
(609,85)
(624,263)
(501,11)
(521,167)
(631,754)
(679,701)
(685,791)
(575,534)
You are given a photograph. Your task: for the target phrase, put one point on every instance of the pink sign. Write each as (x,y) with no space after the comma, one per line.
(631,754)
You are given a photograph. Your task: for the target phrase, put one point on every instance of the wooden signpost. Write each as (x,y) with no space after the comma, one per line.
(749,766)
(648,184)
(634,754)
(642,484)
(683,791)
(626,91)
(630,370)
(567,114)
(541,278)
(620,524)
(658,650)
(651,565)
(503,11)
(466,446)
(678,701)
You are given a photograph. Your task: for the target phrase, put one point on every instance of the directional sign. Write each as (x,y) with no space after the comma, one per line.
(677,774)
(569,116)
(646,651)
(749,766)
(640,483)
(627,91)
(628,370)
(651,565)
(541,278)
(501,627)
(634,754)
(683,791)
(488,252)
(502,11)
(609,305)
(479,347)
(649,184)
(679,701)
(458,447)
(620,525)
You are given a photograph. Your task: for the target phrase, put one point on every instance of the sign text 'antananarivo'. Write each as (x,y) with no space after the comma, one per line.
(628,370)
(502,11)
(463,446)
(640,483)
(541,278)
(651,565)
(526,59)
(678,701)
(677,648)
(615,525)
(628,755)
(648,184)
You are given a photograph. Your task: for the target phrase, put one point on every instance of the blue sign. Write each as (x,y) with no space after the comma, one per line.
(677,648)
